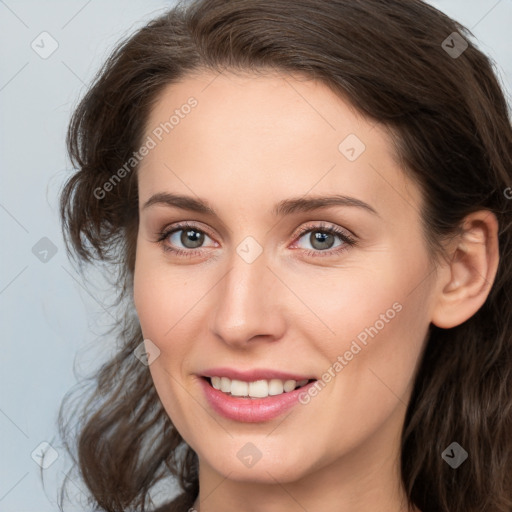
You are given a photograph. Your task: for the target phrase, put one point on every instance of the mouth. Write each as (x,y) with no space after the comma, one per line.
(257,389)
(254,401)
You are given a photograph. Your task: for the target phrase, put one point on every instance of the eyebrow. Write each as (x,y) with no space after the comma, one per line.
(285,207)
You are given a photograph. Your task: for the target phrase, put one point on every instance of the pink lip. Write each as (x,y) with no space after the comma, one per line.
(251,410)
(253,375)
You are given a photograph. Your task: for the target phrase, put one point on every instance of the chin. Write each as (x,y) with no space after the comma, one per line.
(246,463)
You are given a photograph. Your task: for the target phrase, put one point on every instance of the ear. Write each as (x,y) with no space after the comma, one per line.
(465,282)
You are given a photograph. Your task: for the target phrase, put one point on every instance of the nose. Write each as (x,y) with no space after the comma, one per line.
(249,303)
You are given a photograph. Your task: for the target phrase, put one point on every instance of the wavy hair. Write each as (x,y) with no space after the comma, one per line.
(452,135)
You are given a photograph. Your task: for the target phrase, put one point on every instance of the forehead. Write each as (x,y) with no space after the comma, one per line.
(268,108)
(271,134)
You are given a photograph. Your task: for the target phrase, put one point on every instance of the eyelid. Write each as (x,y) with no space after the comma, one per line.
(346,236)
(322,225)
(182,225)
(169,230)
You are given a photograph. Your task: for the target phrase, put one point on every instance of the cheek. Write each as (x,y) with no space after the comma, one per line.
(365,303)
(167,301)
(155,305)
(160,295)
(380,346)
(160,304)
(378,317)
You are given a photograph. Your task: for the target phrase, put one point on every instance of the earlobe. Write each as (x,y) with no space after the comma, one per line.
(465,283)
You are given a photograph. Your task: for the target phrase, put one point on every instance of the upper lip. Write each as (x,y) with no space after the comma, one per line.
(254,374)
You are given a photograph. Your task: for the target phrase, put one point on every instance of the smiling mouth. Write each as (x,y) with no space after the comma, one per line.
(255,389)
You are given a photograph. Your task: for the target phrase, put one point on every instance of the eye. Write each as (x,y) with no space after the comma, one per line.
(323,237)
(191,238)
(185,235)
(185,239)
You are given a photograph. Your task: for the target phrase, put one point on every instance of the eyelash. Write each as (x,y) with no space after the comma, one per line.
(331,229)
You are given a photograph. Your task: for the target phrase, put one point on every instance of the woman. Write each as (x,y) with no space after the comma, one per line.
(305,204)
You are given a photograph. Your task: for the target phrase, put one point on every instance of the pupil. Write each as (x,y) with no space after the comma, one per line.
(192,236)
(320,237)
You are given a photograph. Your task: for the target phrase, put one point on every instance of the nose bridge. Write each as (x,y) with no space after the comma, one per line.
(247,297)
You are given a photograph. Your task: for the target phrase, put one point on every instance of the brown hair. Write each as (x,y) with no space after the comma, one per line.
(453,137)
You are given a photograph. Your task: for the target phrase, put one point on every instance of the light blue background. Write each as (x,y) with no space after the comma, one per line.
(49,315)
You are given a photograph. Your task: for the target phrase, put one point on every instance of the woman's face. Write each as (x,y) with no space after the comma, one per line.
(262,289)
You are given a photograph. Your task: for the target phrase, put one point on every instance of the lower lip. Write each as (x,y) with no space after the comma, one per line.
(251,410)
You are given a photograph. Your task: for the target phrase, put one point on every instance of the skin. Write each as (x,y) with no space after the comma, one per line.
(251,142)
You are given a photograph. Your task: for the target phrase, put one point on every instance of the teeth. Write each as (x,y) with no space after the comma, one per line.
(225,384)
(216,382)
(256,389)
(239,388)
(289,385)
(275,387)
